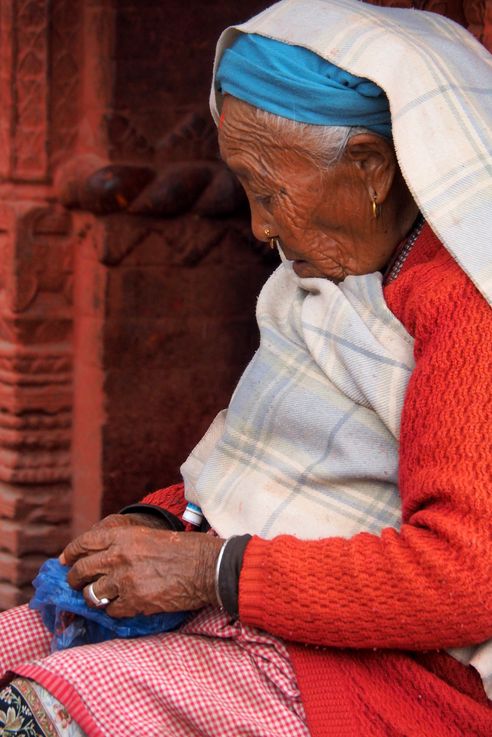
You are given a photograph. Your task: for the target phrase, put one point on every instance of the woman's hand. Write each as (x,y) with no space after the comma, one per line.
(144,570)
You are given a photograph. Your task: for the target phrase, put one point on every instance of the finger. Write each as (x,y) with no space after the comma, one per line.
(103,588)
(118,609)
(87,543)
(89,569)
(112,520)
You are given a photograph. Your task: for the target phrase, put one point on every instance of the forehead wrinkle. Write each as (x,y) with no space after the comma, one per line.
(276,163)
(242,135)
(245,157)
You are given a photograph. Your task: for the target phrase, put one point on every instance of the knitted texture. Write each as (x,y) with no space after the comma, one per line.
(429,585)
(173,500)
(361,693)
(423,588)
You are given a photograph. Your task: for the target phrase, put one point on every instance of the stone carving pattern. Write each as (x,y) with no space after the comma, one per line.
(30,77)
(6,87)
(65,77)
(40,89)
(35,389)
(35,352)
(186,182)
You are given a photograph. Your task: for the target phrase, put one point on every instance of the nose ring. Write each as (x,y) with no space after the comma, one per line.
(272,239)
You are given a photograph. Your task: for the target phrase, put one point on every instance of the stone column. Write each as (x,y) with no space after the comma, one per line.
(37,126)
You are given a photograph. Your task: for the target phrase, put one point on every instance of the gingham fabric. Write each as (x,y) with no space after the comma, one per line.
(211,678)
(309,443)
(438,80)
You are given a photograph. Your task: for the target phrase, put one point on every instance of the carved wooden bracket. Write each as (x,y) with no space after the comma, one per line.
(184,175)
(191,203)
(206,188)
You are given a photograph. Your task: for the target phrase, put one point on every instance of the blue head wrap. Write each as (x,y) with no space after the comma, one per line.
(296,83)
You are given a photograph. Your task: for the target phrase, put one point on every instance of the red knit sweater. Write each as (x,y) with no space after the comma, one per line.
(425,587)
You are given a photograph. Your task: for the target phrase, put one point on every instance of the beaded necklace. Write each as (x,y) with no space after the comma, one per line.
(402,252)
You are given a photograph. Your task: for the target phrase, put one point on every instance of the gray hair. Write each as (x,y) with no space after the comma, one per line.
(324,144)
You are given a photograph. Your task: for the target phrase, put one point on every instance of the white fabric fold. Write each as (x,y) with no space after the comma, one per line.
(309,443)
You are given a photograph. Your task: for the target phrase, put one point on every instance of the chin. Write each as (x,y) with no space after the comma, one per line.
(306,270)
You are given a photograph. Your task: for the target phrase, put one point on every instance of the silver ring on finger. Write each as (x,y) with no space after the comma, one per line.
(100,603)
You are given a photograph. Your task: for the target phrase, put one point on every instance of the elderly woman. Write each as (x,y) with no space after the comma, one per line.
(347,588)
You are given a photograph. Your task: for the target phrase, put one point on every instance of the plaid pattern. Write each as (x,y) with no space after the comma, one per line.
(213,677)
(333,365)
(22,638)
(438,79)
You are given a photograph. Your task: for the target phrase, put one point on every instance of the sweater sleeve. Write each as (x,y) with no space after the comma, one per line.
(172,499)
(429,585)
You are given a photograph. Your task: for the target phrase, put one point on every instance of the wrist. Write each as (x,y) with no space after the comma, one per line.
(148,520)
(168,520)
(214,548)
(227,573)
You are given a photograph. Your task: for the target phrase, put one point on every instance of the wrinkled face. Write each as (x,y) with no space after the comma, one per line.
(323,218)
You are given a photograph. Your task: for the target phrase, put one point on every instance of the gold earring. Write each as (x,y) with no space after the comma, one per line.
(376,209)
(272,239)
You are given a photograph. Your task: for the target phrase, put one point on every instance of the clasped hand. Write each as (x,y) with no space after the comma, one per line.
(143,569)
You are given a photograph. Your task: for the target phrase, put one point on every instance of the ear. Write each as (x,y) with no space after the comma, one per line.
(374,159)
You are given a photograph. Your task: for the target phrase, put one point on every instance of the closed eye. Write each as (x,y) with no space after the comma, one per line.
(264,200)
(267,199)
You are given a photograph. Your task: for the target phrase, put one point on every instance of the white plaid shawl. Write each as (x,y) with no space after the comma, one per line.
(309,443)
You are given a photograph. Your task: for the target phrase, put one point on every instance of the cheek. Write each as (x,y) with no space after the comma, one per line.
(293,216)
(301,233)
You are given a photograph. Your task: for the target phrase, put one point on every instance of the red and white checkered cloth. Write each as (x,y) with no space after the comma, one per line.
(213,677)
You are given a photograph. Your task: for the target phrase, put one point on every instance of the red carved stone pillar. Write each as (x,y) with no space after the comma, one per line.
(36,128)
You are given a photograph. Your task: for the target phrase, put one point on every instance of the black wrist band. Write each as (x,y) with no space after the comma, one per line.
(228,574)
(173,522)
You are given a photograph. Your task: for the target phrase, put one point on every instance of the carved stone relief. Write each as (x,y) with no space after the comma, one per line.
(35,388)
(35,290)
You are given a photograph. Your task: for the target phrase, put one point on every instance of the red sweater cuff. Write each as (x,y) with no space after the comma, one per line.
(251,583)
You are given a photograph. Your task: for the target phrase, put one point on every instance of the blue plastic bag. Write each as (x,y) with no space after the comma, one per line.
(65,613)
